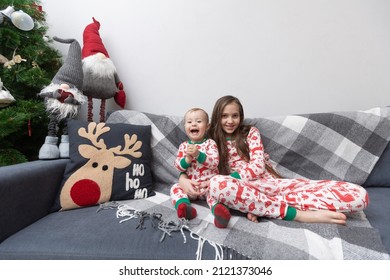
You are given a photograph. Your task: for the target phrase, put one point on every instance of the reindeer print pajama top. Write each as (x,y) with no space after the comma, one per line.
(201,169)
(251,188)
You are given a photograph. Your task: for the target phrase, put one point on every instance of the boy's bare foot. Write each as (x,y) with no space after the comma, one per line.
(320,216)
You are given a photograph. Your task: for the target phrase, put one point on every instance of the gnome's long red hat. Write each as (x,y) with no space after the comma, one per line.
(93,43)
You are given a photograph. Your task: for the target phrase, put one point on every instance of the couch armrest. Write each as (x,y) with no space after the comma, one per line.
(27,192)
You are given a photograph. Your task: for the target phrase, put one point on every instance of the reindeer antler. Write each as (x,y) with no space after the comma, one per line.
(131,147)
(93,133)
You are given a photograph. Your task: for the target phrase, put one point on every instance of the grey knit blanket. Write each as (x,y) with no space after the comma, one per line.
(337,145)
(341,145)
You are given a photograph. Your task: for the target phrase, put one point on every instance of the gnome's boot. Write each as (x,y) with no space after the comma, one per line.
(49,149)
(64,146)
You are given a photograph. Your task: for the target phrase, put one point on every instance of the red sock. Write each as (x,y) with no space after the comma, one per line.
(186,211)
(221,216)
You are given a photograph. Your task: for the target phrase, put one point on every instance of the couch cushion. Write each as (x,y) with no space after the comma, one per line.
(86,233)
(27,192)
(107,162)
(380,175)
(378,212)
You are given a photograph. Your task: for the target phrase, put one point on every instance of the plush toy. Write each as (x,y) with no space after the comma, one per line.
(63,98)
(101,80)
(5,96)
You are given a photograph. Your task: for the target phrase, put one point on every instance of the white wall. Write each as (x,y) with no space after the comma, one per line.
(278,57)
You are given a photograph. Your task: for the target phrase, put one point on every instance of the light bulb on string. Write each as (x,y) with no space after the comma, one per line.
(19,18)
(22,20)
(8,11)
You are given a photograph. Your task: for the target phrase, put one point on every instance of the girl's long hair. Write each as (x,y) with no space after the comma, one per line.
(217,134)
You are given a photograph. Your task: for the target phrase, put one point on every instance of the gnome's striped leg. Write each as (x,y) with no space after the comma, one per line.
(49,149)
(64,144)
(52,126)
(102,110)
(90,107)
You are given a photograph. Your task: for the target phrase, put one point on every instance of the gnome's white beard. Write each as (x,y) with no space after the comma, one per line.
(98,66)
(63,110)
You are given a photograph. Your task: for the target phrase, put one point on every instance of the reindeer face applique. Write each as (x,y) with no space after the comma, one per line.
(92,183)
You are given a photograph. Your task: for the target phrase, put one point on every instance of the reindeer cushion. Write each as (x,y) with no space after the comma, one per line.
(108,162)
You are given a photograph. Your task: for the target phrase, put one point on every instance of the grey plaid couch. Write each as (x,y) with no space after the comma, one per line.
(350,145)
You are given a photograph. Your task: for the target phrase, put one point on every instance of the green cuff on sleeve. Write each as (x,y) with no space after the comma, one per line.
(290,214)
(201,157)
(184,164)
(182,200)
(235,175)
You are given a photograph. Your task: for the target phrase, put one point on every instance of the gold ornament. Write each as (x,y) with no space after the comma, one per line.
(9,63)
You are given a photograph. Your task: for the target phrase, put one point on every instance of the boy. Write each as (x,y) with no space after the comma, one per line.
(198,158)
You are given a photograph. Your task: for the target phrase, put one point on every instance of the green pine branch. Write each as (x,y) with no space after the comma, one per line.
(23,124)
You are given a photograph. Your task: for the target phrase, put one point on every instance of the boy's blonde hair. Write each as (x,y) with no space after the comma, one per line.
(197,109)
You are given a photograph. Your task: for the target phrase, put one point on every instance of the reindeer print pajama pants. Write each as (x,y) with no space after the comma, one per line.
(269,197)
(200,170)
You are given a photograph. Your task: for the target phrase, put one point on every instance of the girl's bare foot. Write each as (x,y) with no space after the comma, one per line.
(320,216)
(252,217)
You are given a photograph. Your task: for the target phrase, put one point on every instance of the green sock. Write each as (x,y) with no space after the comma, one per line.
(290,214)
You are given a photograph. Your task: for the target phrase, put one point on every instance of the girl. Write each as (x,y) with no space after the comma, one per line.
(247,185)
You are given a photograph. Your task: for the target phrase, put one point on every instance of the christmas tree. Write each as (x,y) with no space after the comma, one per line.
(29,64)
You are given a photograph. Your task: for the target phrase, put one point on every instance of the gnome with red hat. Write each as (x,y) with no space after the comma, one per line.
(101,80)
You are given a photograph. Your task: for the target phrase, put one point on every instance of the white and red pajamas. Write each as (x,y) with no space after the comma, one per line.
(201,169)
(251,188)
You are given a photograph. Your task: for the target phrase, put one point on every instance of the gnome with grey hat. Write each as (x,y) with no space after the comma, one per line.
(63,98)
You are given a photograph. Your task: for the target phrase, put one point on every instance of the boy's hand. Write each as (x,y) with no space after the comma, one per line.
(188,159)
(192,150)
(189,186)
(204,187)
